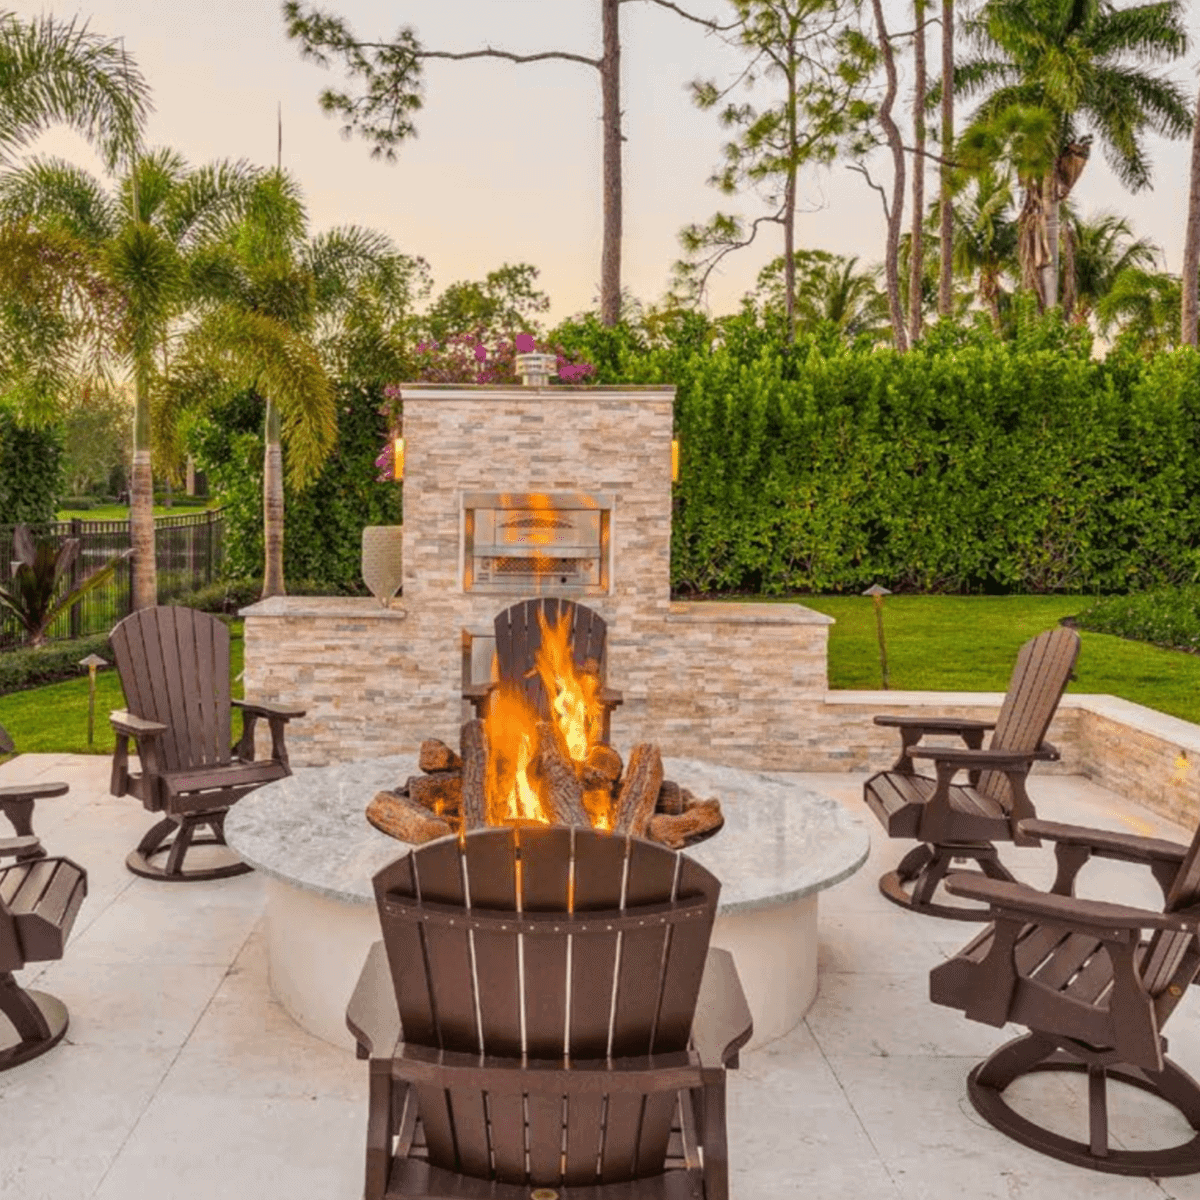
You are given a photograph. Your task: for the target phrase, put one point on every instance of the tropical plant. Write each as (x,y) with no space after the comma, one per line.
(1095,253)
(829,289)
(55,73)
(1142,310)
(504,304)
(1190,301)
(276,310)
(1056,75)
(115,271)
(39,590)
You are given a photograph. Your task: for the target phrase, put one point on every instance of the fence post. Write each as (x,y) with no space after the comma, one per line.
(75,617)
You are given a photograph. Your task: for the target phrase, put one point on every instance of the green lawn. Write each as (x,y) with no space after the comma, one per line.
(969,644)
(120,512)
(53,719)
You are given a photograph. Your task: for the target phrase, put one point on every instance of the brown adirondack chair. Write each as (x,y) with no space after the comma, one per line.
(518,637)
(1092,991)
(174,669)
(17,800)
(566,1030)
(39,899)
(956,821)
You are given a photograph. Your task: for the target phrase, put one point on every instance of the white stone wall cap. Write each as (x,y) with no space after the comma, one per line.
(643,393)
(781,839)
(357,608)
(748,613)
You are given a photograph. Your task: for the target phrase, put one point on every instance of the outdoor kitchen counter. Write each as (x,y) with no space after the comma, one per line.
(781,845)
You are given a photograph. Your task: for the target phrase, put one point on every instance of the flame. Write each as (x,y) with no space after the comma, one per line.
(515,790)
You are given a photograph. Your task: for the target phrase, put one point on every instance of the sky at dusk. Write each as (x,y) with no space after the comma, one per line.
(506,165)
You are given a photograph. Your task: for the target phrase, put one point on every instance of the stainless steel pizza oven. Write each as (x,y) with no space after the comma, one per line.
(536,542)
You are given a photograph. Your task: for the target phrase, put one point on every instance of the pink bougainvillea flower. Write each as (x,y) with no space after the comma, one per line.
(525,343)
(480,353)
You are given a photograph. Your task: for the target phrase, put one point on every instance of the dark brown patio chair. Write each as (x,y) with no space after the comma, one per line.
(17,800)
(955,821)
(566,1030)
(518,637)
(174,668)
(39,899)
(1092,991)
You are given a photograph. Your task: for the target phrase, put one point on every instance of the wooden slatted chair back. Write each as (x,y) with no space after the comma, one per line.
(1040,677)
(519,636)
(568,947)
(1167,948)
(174,669)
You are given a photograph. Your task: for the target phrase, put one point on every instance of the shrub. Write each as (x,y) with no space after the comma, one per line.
(323,524)
(1169,617)
(27,668)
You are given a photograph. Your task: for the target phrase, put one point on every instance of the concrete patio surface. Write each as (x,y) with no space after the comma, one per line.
(181,1079)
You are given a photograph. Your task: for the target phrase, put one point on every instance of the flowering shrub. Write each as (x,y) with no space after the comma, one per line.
(465,359)
(1168,617)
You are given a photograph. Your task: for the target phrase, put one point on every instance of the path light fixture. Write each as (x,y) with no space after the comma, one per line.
(92,662)
(877,594)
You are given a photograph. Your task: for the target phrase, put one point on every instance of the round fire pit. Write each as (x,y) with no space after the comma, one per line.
(780,846)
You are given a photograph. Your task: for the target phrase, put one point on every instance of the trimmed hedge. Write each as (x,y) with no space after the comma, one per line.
(27,668)
(30,471)
(970,464)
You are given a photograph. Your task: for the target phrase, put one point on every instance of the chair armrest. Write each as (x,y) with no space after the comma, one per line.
(18,846)
(1096,916)
(963,757)
(371,1015)
(131,726)
(934,724)
(33,791)
(1110,843)
(722,1024)
(267,708)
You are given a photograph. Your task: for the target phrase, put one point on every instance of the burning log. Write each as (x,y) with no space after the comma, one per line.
(437,756)
(674,829)
(400,817)
(564,792)
(441,793)
(605,762)
(474,750)
(670,798)
(639,790)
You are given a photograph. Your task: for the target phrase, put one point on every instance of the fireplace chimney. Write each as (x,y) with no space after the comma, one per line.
(535,369)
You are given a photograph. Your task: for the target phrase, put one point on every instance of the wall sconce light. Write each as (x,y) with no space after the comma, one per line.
(398,458)
(674,460)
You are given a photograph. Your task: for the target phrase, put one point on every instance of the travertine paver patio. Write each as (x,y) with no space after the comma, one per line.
(181,1079)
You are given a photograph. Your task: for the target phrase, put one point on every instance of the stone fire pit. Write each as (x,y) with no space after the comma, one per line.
(781,845)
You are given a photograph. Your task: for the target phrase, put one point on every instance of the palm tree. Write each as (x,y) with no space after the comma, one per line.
(1143,307)
(129,257)
(52,73)
(1190,301)
(830,290)
(281,310)
(1051,69)
(1096,252)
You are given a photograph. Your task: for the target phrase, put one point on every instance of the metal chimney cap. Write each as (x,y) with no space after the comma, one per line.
(535,369)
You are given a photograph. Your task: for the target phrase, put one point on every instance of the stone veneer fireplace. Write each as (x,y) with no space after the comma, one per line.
(588,471)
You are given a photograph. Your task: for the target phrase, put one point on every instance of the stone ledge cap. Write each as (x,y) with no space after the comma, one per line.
(356,608)
(751,613)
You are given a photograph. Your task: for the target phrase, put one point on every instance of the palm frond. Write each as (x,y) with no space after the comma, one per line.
(51,192)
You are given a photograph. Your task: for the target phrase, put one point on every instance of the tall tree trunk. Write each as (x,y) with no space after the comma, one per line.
(273,507)
(610,91)
(1053,232)
(789,210)
(916,274)
(1191,245)
(891,262)
(1069,296)
(989,293)
(946,231)
(141,498)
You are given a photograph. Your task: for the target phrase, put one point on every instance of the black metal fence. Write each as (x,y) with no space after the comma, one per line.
(188,550)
